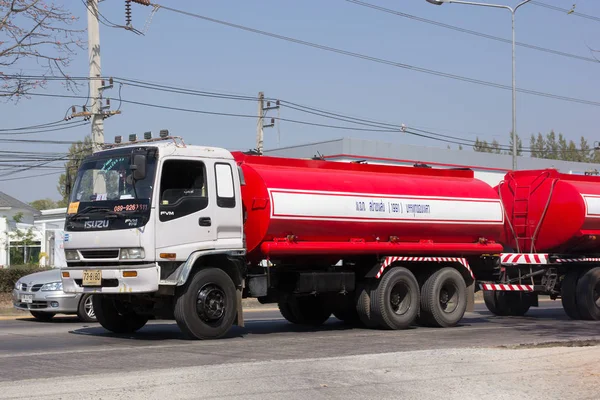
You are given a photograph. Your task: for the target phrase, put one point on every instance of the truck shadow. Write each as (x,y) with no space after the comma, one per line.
(480,329)
(168,330)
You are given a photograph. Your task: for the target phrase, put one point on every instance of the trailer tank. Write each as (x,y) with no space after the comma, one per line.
(295,207)
(551,212)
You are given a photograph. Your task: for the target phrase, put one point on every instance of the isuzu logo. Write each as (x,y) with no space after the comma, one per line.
(96,224)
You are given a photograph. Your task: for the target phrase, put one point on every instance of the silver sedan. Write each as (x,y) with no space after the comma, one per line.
(41,294)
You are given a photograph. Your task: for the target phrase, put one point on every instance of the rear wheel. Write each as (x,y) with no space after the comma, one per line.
(443,298)
(344,309)
(518,303)
(85,311)
(502,303)
(42,316)
(395,299)
(588,295)
(496,303)
(117,316)
(363,305)
(305,310)
(285,308)
(569,294)
(205,307)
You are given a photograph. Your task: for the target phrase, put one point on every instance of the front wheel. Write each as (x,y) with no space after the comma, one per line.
(117,316)
(205,307)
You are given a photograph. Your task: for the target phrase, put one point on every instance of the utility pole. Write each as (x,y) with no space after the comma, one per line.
(95,72)
(259,125)
(261,116)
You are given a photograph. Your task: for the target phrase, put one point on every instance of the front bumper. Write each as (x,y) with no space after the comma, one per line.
(54,302)
(146,281)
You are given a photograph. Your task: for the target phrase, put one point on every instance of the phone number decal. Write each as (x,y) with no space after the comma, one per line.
(132,207)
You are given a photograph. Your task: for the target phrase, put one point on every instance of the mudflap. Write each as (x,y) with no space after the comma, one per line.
(471,297)
(240,310)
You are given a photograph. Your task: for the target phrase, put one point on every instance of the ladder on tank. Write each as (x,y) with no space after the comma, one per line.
(520,216)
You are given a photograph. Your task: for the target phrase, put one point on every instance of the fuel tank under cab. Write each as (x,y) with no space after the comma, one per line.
(295,207)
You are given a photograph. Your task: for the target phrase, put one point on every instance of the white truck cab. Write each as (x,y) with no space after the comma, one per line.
(140,215)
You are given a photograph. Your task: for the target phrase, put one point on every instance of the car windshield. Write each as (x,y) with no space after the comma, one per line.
(106,178)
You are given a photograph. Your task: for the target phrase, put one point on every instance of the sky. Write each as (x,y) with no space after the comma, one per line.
(183,51)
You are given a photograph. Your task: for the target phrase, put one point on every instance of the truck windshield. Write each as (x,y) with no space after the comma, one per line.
(111,178)
(104,187)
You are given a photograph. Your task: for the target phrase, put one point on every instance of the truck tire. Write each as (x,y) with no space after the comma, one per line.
(443,298)
(285,308)
(85,310)
(518,303)
(42,316)
(496,303)
(307,310)
(568,294)
(116,316)
(363,305)
(205,307)
(588,295)
(345,309)
(395,299)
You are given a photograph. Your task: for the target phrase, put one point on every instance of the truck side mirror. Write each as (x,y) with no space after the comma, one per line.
(138,166)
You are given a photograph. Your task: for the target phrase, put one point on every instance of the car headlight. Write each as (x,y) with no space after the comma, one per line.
(134,253)
(72,255)
(52,287)
(18,285)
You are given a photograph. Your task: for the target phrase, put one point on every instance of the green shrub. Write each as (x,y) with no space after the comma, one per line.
(9,276)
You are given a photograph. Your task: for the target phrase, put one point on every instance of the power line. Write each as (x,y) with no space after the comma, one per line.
(30,176)
(564,10)
(45,125)
(381,60)
(471,32)
(72,124)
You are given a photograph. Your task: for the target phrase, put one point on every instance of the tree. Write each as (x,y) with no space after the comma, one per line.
(77,152)
(43,204)
(519,145)
(35,30)
(20,238)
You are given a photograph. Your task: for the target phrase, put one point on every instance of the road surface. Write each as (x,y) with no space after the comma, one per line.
(271,358)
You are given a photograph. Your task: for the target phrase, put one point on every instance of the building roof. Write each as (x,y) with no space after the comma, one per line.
(373,151)
(7,201)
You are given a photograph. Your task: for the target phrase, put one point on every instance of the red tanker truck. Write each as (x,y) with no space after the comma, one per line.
(167,230)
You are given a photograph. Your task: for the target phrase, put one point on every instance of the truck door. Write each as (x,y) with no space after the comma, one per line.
(186,207)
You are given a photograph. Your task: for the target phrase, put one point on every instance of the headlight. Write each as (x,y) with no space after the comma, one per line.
(18,285)
(72,255)
(135,253)
(52,287)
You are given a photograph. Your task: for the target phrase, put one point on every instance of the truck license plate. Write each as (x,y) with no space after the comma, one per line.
(27,298)
(92,277)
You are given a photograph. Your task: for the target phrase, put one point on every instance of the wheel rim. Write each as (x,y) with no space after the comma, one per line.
(448,298)
(596,294)
(88,307)
(210,303)
(400,299)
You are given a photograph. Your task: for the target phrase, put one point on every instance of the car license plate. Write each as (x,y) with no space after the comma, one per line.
(27,298)
(92,277)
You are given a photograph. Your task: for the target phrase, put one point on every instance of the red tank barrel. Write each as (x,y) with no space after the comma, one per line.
(299,207)
(551,212)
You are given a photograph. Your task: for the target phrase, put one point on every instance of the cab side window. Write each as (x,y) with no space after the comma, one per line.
(183,189)
(225,189)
